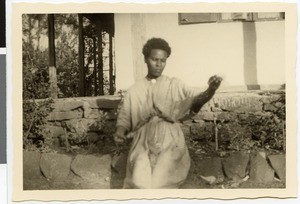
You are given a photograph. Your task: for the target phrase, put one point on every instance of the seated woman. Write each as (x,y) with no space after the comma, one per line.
(152,107)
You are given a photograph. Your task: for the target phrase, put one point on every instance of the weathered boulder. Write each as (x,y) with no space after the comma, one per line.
(279,165)
(66,105)
(107,103)
(210,168)
(239,102)
(235,166)
(31,165)
(55,131)
(97,113)
(92,113)
(270,98)
(59,116)
(103,102)
(80,125)
(55,166)
(260,171)
(95,169)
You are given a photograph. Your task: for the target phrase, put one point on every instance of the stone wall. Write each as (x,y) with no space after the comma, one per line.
(85,115)
(91,119)
(237,113)
(82,114)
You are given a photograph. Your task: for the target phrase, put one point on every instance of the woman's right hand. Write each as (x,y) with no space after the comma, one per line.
(119,136)
(214,82)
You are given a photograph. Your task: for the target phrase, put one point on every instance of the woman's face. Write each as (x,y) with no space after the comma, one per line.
(156,62)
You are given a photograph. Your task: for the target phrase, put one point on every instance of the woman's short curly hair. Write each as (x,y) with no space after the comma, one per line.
(156,43)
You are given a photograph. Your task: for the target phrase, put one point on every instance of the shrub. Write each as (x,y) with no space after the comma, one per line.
(35,135)
(35,86)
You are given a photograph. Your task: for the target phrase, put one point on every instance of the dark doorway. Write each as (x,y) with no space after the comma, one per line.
(96,54)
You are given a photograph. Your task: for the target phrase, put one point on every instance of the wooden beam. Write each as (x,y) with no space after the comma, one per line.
(81,57)
(52,60)
(95,66)
(100,59)
(111,81)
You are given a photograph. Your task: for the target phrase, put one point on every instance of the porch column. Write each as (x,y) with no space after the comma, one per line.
(100,59)
(138,29)
(53,91)
(81,57)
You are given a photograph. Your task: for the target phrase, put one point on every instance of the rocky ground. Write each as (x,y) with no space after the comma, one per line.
(86,170)
(209,173)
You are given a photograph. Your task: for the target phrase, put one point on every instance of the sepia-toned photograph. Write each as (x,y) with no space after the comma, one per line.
(153,100)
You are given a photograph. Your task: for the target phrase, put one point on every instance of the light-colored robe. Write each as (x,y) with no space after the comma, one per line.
(158,157)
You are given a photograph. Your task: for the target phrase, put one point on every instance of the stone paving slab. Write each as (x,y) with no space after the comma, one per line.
(93,168)
(260,170)
(59,116)
(278,162)
(209,168)
(31,165)
(55,166)
(235,166)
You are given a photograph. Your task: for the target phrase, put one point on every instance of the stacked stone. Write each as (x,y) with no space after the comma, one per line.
(81,115)
(239,167)
(52,171)
(231,107)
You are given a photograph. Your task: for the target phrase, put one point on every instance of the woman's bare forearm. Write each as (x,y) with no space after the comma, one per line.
(214,83)
(202,99)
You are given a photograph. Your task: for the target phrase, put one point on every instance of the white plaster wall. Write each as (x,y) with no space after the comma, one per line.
(271,52)
(123,51)
(201,50)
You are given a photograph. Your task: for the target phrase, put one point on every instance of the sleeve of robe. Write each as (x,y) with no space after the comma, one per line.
(191,94)
(182,97)
(187,91)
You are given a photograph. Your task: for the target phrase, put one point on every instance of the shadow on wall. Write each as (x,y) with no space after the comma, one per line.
(250,61)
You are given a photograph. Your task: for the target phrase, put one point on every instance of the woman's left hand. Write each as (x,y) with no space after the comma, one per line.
(214,82)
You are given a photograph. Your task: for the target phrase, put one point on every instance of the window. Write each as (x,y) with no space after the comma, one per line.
(270,16)
(192,18)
